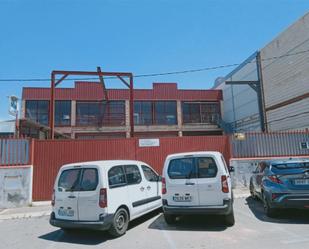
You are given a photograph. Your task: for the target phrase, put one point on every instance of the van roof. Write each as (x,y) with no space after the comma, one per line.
(103,163)
(194,153)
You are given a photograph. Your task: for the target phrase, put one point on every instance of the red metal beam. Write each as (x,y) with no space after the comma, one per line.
(93,73)
(54,83)
(102,82)
(131,107)
(51,106)
(123,81)
(61,79)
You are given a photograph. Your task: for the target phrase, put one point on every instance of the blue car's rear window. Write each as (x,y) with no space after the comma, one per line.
(291,165)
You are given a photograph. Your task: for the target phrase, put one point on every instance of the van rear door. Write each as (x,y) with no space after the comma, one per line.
(209,181)
(89,192)
(66,194)
(181,182)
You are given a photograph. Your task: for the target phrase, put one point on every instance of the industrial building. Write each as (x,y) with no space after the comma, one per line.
(83,112)
(283,81)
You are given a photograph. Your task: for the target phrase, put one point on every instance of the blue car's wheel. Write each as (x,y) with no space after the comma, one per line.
(269,211)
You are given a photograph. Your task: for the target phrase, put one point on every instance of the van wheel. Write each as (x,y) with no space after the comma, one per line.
(170,218)
(120,223)
(229,219)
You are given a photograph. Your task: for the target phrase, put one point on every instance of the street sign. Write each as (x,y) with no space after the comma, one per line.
(155,142)
(304,145)
(240,136)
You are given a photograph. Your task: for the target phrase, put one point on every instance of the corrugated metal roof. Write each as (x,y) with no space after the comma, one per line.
(94,91)
(7,126)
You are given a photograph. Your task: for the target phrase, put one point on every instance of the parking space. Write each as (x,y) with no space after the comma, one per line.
(252,230)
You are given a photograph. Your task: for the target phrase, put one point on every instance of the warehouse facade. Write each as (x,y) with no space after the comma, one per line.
(82,112)
(285,85)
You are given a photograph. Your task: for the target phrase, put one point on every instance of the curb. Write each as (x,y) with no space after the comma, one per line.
(24,215)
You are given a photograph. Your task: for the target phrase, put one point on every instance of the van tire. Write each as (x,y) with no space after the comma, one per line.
(120,223)
(170,218)
(230,219)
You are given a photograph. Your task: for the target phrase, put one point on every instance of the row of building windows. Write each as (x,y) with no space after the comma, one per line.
(112,113)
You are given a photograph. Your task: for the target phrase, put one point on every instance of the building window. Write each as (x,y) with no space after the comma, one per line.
(143,113)
(200,112)
(37,111)
(62,112)
(100,113)
(165,112)
(155,113)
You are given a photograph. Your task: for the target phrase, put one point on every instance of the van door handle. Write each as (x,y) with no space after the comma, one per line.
(142,188)
(148,188)
(190,183)
(71,196)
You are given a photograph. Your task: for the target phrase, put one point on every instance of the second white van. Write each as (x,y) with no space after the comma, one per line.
(197,183)
(104,195)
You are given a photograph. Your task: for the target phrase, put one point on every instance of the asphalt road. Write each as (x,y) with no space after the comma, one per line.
(252,230)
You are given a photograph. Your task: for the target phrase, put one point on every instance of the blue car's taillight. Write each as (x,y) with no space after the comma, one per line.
(275,179)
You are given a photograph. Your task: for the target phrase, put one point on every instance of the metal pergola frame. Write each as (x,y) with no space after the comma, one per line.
(256,85)
(100,74)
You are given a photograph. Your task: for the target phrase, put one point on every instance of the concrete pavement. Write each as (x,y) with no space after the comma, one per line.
(252,230)
(43,208)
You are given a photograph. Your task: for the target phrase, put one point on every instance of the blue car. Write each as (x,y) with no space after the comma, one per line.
(281,184)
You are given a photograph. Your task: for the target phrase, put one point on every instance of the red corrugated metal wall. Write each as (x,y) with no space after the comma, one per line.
(49,155)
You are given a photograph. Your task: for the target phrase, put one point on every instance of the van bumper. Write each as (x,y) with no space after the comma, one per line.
(225,209)
(103,224)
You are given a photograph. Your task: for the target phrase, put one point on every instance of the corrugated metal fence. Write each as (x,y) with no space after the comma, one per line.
(47,156)
(270,144)
(14,151)
(51,154)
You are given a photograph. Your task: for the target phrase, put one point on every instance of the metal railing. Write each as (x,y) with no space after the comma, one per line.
(14,151)
(270,144)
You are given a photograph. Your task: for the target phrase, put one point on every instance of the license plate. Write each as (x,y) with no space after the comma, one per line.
(183,198)
(66,212)
(301,182)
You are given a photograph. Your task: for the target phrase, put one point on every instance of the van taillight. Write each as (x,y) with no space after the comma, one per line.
(225,185)
(53,198)
(103,198)
(163,186)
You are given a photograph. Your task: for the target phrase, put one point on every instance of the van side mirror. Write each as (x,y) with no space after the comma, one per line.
(159,179)
(231,169)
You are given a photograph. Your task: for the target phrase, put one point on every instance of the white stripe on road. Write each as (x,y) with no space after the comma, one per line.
(167,237)
(296,240)
(3,211)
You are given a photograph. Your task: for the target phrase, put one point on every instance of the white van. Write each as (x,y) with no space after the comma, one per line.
(104,195)
(197,183)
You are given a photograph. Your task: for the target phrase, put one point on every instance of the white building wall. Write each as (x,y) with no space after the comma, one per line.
(287,77)
(240,107)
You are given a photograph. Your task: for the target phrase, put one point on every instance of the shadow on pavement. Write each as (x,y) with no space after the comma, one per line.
(90,237)
(191,223)
(288,216)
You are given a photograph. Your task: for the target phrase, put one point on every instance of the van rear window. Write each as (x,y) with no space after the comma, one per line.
(182,168)
(78,180)
(69,180)
(193,167)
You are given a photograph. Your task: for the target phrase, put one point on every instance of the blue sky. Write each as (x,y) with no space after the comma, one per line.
(145,36)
